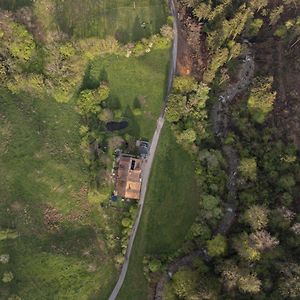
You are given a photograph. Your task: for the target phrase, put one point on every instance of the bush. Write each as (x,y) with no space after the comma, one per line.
(155,265)
(217,246)
(7,277)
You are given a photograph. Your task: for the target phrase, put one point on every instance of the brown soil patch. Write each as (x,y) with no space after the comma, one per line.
(16,206)
(192,54)
(52,218)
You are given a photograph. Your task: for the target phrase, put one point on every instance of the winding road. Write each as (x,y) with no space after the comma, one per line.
(148,164)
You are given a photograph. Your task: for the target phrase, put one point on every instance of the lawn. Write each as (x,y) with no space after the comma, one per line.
(134,78)
(170,208)
(59,253)
(127,20)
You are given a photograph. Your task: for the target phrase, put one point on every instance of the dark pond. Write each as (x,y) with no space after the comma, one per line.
(113,126)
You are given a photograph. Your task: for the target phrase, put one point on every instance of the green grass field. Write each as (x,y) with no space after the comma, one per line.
(170,208)
(61,251)
(127,20)
(136,77)
(40,168)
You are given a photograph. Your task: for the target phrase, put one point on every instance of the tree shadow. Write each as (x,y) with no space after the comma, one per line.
(136,103)
(122,35)
(114,103)
(137,31)
(88,82)
(103,76)
(134,127)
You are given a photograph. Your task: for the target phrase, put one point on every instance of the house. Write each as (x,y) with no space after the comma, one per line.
(128,177)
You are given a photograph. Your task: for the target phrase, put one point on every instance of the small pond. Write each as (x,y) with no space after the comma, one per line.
(113,125)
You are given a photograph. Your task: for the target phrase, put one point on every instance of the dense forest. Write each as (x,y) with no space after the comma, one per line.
(234,111)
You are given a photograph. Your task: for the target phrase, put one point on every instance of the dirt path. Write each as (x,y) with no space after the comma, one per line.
(220,121)
(148,164)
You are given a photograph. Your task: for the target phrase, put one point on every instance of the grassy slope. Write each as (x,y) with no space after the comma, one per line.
(170,209)
(133,77)
(42,166)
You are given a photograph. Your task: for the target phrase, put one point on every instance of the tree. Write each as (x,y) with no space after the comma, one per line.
(287,182)
(275,14)
(119,259)
(210,206)
(8,234)
(187,136)
(184,283)
(90,100)
(7,277)
(261,99)
(199,230)
(230,274)
(202,11)
(255,26)
(155,265)
(126,222)
(262,240)
(4,258)
(249,284)
(67,50)
(296,228)
(256,216)
(258,4)
(167,32)
(289,282)
(201,96)
(175,108)
(105,115)
(218,59)
(184,84)
(248,168)
(22,46)
(31,83)
(244,248)
(217,246)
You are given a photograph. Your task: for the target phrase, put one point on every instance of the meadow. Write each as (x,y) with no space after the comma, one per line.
(170,209)
(132,79)
(61,246)
(43,191)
